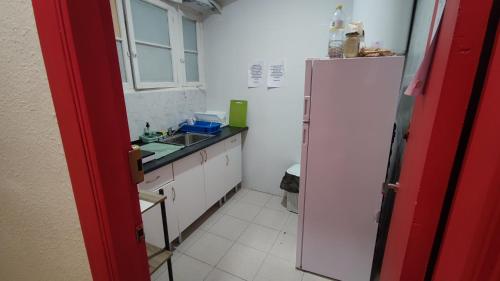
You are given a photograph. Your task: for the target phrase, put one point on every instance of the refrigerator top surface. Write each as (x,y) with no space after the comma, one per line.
(352,59)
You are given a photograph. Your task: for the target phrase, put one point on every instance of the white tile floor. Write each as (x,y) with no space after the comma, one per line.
(252,237)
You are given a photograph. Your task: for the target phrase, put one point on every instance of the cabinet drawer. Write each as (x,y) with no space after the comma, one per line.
(157,178)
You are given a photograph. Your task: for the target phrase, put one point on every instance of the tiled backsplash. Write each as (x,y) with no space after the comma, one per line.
(162,109)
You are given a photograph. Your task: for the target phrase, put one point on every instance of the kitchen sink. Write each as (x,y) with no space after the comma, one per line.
(186,139)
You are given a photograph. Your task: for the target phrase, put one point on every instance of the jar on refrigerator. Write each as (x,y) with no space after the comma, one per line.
(351,45)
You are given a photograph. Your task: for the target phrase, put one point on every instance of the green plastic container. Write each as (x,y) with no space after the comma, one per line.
(238,113)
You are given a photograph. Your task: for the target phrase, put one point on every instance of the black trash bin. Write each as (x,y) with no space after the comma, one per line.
(290,186)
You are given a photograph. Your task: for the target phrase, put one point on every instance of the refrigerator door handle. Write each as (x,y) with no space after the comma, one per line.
(305,134)
(307,106)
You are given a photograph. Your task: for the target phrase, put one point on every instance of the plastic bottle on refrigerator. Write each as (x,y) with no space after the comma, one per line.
(337,30)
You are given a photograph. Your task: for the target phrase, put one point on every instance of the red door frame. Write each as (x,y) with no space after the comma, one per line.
(471,245)
(80,55)
(436,127)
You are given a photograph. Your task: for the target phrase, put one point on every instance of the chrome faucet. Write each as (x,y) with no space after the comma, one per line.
(171,131)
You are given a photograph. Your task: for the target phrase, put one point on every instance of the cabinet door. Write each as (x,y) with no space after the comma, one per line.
(189,189)
(215,172)
(233,150)
(153,226)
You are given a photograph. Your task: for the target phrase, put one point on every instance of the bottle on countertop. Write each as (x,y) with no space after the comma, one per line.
(337,30)
(147,131)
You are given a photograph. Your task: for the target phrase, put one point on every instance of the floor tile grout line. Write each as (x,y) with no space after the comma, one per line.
(265,258)
(249,222)
(233,242)
(254,223)
(225,252)
(232,274)
(236,241)
(208,230)
(260,267)
(205,278)
(269,226)
(260,205)
(220,236)
(256,248)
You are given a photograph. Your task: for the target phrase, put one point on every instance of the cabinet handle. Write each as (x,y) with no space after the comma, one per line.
(173,194)
(206,155)
(155,179)
(227,160)
(202,158)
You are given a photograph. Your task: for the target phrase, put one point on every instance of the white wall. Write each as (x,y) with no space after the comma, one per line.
(162,108)
(266,29)
(40,235)
(385,21)
(418,42)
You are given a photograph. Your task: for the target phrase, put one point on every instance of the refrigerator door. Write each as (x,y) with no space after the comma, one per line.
(307,91)
(303,162)
(353,105)
(301,200)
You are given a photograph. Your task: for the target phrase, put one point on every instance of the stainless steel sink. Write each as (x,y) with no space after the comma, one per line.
(186,139)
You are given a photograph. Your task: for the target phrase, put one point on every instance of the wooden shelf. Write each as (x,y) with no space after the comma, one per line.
(149,200)
(156,257)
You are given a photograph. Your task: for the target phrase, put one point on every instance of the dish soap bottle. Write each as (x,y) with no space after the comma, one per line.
(147,132)
(336,40)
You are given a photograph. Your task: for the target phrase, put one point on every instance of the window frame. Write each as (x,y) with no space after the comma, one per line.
(125,45)
(134,61)
(182,50)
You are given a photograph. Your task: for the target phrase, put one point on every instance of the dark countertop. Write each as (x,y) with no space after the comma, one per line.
(145,153)
(225,133)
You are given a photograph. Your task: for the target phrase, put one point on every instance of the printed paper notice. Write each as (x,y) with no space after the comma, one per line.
(255,74)
(276,74)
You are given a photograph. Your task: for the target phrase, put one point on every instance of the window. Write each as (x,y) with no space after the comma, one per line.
(151,44)
(121,42)
(164,44)
(190,50)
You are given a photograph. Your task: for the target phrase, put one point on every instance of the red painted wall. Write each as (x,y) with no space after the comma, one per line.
(435,130)
(471,245)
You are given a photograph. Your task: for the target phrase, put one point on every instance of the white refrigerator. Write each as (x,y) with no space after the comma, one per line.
(349,112)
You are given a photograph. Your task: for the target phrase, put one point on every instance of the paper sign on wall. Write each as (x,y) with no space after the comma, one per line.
(255,74)
(276,74)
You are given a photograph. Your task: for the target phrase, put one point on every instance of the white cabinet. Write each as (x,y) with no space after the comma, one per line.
(151,219)
(192,185)
(190,202)
(233,154)
(215,172)
(222,168)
